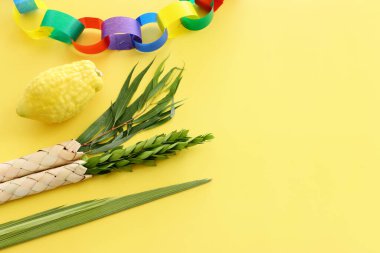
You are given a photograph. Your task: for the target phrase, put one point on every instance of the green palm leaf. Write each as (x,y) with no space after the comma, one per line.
(61,218)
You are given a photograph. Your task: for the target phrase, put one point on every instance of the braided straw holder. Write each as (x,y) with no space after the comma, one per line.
(42,181)
(44,159)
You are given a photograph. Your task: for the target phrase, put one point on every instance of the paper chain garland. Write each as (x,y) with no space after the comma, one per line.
(117,33)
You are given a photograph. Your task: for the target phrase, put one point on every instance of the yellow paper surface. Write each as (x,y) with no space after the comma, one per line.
(291,89)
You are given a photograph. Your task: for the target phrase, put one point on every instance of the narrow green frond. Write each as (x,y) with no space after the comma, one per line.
(61,218)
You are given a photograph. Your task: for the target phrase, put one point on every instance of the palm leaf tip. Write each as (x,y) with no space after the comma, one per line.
(146,152)
(127,116)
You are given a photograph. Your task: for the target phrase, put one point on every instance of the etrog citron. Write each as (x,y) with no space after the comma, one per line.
(60,93)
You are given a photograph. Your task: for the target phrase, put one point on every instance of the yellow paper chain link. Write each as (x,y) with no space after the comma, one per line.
(38,33)
(170,16)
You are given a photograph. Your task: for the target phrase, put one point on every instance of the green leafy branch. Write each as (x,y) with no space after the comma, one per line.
(145,152)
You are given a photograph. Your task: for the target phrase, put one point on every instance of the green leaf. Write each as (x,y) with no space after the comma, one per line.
(61,218)
(157,149)
(129,150)
(122,163)
(104,158)
(116,155)
(159,140)
(108,146)
(92,162)
(145,155)
(148,143)
(162,83)
(105,168)
(139,147)
(209,137)
(121,101)
(180,146)
(94,128)
(174,136)
(125,118)
(107,136)
(159,122)
(124,98)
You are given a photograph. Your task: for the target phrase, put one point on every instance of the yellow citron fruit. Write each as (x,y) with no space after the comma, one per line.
(60,93)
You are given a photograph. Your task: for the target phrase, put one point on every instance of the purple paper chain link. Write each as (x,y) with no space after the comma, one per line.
(121,32)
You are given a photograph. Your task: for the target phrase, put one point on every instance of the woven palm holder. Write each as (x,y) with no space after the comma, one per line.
(43,159)
(42,181)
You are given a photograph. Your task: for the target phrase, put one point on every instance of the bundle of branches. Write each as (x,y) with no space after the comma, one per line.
(99,150)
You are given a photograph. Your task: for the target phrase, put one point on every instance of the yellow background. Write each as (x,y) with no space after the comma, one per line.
(291,90)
